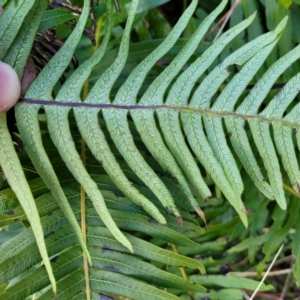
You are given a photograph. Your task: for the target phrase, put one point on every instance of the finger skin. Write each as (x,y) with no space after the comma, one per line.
(10,87)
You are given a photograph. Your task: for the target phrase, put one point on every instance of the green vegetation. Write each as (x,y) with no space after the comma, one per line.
(164,166)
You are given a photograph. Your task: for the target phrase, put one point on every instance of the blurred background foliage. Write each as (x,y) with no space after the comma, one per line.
(225,247)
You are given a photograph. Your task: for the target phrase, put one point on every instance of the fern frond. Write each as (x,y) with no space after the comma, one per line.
(120,133)
(61,136)
(10,22)
(155,94)
(212,124)
(193,124)
(87,122)
(180,119)
(250,106)
(225,102)
(221,163)
(20,254)
(208,143)
(144,123)
(29,127)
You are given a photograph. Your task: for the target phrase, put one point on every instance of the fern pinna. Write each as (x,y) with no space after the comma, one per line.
(184,119)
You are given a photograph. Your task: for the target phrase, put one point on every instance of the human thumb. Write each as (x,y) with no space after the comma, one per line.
(10,87)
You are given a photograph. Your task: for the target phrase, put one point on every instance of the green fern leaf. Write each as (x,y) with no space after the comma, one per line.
(93,135)
(229,281)
(282,134)
(186,122)
(192,123)
(121,134)
(61,136)
(10,22)
(29,127)
(21,253)
(169,122)
(17,54)
(9,160)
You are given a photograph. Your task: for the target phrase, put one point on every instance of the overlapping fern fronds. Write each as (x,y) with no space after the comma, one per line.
(182,120)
